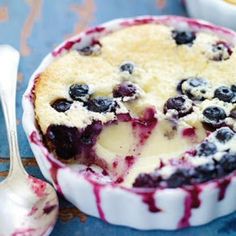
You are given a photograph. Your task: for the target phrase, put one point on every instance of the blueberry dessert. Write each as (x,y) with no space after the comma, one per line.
(151,105)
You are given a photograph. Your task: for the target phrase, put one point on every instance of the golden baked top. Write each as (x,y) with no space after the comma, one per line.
(159,66)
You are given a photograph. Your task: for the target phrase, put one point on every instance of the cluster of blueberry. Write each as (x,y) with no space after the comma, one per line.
(69,141)
(220,51)
(194,90)
(190,174)
(82,93)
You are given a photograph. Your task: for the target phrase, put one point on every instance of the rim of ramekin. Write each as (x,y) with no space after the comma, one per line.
(28,120)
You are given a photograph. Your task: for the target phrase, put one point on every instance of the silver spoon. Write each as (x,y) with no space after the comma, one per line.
(28,206)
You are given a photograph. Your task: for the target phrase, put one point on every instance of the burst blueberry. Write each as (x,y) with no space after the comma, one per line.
(61,105)
(90,134)
(101,105)
(125,89)
(147,181)
(64,140)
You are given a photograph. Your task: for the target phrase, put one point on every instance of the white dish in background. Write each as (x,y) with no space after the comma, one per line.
(219,12)
(144,209)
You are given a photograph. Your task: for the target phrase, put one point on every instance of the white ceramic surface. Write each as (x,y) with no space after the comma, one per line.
(216,11)
(141,209)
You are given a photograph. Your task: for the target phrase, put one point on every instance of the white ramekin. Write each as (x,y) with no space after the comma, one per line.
(216,11)
(142,209)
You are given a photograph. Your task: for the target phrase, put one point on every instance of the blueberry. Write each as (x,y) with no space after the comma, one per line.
(64,140)
(196,82)
(228,162)
(221,51)
(214,116)
(233,88)
(181,104)
(183,37)
(61,105)
(128,67)
(147,181)
(195,88)
(124,90)
(204,173)
(179,178)
(86,51)
(206,149)
(233,113)
(101,104)
(223,135)
(78,91)
(189,176)
(224,93)
(179,86)
(94,49)
(90,134)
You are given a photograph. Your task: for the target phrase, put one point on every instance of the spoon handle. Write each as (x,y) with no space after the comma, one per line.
(9,61)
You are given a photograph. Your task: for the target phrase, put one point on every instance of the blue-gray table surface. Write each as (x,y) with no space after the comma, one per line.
(35,27)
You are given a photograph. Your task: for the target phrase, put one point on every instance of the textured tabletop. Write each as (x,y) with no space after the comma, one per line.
(35,27)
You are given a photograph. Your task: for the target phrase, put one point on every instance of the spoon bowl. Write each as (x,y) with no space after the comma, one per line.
(28,206)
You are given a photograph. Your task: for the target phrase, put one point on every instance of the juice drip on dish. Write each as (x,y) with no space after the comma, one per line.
(97,192)
(149,199)
(192,200)
(184,221)
(222,185)
(144,126)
